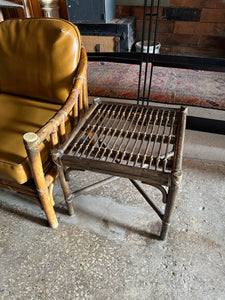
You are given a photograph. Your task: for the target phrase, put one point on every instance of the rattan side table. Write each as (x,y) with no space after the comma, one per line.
(141,143)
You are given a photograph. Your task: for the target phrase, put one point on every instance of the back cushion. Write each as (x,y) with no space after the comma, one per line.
(38,58)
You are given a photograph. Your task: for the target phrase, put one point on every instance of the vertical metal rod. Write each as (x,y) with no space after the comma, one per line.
(142,46)
(153,55)
(147,58)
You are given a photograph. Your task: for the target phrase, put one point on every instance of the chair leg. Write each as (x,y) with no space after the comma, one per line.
(48,208)
(66,190)
(172,193)
(31,145)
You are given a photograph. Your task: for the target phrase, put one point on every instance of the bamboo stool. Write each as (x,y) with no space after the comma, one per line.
(138,142)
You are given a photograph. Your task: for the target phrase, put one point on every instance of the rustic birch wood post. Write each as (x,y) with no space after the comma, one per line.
(31,144)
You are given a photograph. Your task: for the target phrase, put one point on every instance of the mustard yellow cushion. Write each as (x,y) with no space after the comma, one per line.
(19,115)
(38,58)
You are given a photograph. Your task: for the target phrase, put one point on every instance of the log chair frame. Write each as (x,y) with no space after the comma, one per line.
(40,187)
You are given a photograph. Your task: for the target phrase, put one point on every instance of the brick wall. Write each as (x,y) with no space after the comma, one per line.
(187,27)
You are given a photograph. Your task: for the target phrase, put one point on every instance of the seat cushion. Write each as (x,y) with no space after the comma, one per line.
(19,115)
(38,58)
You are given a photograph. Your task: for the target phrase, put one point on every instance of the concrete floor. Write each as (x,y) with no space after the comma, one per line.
(106,251)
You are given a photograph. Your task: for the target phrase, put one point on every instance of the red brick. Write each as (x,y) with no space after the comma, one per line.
(134,11)
(198,51)
(214,4)
(215,29)
(182,40)
(186,3)
(213,15)
(198,3)
(212,42)
(122,11)
(163,26)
